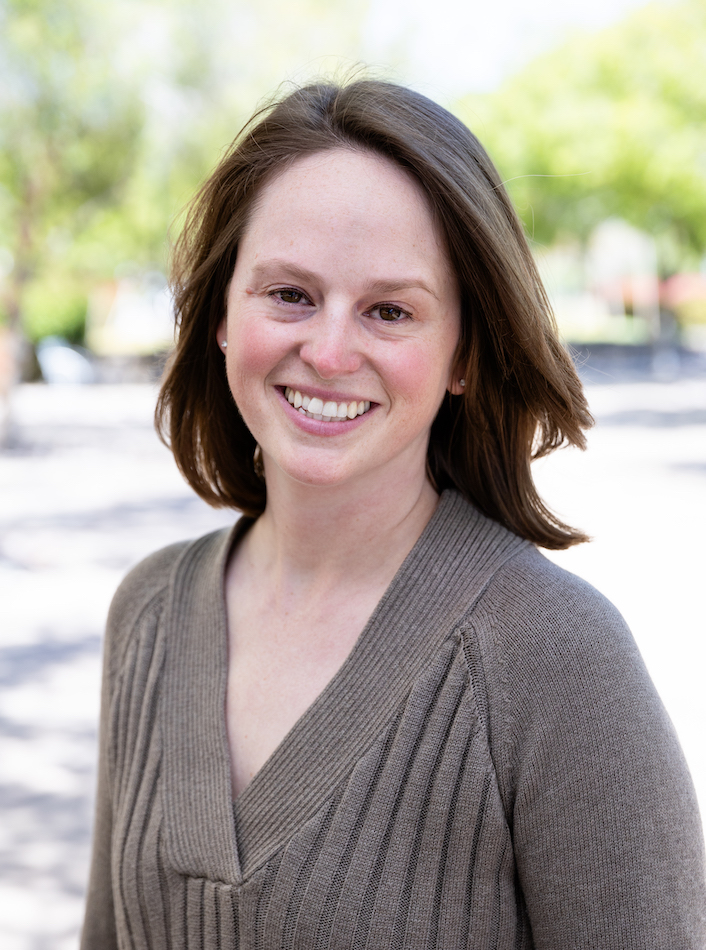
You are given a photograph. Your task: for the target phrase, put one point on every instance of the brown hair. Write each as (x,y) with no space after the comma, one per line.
(522,397)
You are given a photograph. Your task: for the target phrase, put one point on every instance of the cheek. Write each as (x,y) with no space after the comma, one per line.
(255,347)
(422,375)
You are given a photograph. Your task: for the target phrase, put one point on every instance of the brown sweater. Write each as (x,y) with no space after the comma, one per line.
(490,768)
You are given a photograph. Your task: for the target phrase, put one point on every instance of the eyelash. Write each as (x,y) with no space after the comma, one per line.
(277,295)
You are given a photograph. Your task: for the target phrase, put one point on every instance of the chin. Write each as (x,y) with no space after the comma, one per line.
(317,472)
(314,477)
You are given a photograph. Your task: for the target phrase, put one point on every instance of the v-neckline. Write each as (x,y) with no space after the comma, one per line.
(206,834)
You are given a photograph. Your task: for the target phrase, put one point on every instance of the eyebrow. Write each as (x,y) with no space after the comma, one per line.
(382,287)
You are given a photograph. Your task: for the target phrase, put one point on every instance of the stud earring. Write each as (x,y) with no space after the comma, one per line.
(224,344)
(462,383)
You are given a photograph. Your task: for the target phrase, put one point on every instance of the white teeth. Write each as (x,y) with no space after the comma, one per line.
(329,411)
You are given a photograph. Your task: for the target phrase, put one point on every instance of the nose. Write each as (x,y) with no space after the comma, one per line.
(332,345)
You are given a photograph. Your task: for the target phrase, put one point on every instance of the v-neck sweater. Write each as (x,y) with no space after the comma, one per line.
(490,768)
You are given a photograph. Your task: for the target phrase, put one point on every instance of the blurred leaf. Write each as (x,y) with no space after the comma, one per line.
(609,124)
(55,306)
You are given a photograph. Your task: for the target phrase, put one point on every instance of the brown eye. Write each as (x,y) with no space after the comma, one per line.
(288,295)
(390,314)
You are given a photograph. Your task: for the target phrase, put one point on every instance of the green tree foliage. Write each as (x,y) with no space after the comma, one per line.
(112,113)
(68,142)
(616,121)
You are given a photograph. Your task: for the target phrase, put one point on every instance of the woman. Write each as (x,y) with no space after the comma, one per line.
(372,714)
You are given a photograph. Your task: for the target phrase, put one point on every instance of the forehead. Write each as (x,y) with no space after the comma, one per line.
(345,164)
(344,196)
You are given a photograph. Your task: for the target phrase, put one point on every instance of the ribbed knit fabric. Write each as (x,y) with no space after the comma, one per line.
(490,769)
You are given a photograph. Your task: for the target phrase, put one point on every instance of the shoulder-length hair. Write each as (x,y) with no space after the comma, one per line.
(522,396)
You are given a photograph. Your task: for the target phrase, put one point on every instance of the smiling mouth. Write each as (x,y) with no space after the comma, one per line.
(330,411)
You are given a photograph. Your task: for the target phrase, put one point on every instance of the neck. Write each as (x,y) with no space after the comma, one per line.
(325,535)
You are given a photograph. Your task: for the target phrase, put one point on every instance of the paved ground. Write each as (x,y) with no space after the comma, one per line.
(87,490)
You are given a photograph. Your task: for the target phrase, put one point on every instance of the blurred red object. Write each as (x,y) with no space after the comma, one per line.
(682,288)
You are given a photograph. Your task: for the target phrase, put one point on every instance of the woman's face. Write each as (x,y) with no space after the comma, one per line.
(342,321)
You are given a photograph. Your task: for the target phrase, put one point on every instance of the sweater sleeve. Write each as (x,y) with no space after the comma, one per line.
(132,608)
(605,826)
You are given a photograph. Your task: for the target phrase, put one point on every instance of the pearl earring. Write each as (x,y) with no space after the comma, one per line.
(224,344)
(462,382)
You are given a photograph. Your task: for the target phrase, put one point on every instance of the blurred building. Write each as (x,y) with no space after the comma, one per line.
(609,291)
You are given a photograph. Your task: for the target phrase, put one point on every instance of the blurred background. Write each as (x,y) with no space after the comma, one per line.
(111,114)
